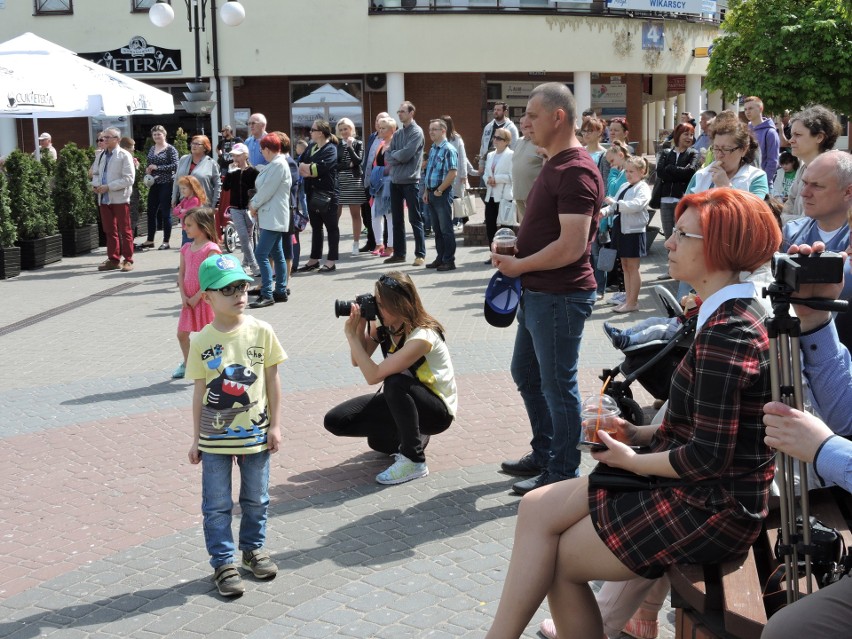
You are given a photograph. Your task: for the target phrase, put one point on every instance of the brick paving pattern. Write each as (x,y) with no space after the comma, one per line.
(101,511)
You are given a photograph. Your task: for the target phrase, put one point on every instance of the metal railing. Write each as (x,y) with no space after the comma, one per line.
(544,7)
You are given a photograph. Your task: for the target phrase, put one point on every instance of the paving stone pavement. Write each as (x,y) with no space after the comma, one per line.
(101,512)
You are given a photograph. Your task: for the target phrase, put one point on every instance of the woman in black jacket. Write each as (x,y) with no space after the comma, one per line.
(239,180)
(675,169)
(318,166)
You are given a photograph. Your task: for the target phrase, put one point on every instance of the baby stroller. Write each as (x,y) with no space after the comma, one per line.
(227,232)
(652,363)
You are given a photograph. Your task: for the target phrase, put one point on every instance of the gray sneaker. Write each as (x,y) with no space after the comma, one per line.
(228,581)
(260,564)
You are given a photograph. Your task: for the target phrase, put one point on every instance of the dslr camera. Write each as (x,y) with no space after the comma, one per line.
(365,302)
(792,271)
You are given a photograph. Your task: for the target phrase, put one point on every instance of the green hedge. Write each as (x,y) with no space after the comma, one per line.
(29,193)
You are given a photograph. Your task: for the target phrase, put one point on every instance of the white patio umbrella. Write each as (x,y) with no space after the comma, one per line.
(41,79)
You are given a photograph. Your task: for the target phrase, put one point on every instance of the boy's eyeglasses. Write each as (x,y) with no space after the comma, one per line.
(228,291)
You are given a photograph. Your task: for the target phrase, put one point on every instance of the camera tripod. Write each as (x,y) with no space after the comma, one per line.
(785,372)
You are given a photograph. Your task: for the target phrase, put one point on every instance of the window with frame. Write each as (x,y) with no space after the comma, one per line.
(54,7)
(142,6)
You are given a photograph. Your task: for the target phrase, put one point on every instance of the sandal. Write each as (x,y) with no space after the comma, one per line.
(642,628)
(309,267)
(328,269)
(379,250)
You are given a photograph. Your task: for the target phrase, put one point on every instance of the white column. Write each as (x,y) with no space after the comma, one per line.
(396,90)
(681,105)
(670,114)
(714,101)
(693,94)
(8,136)
(732,103)
(582,93)
(646,120)
(226,107)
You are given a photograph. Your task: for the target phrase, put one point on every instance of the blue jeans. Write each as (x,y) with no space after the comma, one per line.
(270,244)
(441,209)
(544,367)
(410,195)
(217,503)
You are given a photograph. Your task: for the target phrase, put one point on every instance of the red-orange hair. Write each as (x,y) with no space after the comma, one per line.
(194,186)
(740,232)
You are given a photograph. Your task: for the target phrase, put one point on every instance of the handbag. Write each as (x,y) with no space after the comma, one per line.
(507,216)
(468,205)
(618,479)
(656,194)
(320,201)
(606,259)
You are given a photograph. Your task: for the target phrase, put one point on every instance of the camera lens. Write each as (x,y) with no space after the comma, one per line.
(342,308)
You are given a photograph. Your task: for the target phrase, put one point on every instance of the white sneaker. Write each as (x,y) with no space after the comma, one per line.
(402,470)
(354,249)
(618,299)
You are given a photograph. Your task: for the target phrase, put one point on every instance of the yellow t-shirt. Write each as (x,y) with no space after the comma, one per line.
(436,373)
(234,409)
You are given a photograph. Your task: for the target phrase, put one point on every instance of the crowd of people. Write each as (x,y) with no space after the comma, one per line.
(729,195)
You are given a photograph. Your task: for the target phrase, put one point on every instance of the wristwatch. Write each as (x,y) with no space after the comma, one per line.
(439,192)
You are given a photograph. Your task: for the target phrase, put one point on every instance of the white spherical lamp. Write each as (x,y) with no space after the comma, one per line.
(161,14)
(232,13)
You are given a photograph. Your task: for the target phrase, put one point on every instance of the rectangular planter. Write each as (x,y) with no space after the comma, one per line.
(79,241)
(38,253)
(10,262)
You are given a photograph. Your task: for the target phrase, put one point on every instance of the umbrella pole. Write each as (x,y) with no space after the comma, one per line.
(35,135)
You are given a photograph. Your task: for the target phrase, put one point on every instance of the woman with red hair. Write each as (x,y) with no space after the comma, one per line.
(710,466)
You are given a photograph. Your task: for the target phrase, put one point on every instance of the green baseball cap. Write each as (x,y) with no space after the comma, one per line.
(217,271)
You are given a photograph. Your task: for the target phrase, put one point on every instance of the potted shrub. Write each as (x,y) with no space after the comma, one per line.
(73,204)
(10,255)
(32,211)
(139,198)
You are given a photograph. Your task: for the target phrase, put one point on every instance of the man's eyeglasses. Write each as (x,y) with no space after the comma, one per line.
(228,291)
(680,235)
(722,150)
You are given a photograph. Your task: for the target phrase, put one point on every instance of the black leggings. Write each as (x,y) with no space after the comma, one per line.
(394,419)
(329,220)
(492,210)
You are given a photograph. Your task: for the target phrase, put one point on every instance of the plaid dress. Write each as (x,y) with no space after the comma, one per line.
(713,429)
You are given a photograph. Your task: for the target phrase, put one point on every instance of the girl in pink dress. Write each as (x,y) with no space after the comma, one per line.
(191,195)
(195,313)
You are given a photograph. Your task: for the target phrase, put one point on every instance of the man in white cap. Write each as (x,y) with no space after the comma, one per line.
(46,144)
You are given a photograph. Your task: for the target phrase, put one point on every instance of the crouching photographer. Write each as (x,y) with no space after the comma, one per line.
(828,367)
(418,397)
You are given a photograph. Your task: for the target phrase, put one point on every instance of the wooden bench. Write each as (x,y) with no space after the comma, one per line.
(725,601)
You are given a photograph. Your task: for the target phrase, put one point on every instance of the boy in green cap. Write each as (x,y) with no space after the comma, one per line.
(235,413)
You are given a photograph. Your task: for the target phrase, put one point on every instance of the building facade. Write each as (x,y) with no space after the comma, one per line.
(302,59)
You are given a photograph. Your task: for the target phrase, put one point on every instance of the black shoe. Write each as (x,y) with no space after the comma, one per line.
(434,264)
(395,259)
(523,467)
(367,248)
(262,302)
(280,297)
(527,485)
(254,290)
(309,267)
(428,233)
(447,266)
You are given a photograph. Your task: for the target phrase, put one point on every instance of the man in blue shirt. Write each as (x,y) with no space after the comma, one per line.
(441,169)
(257,129)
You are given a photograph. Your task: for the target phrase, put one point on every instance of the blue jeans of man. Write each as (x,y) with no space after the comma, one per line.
(441,209)
(410,195)
(217,503)
(544,367)
(270,245)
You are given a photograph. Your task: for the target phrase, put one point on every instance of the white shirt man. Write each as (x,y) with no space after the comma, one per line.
(46,145)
